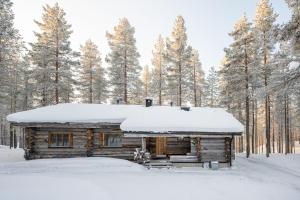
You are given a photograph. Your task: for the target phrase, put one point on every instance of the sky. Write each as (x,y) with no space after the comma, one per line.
(208,22)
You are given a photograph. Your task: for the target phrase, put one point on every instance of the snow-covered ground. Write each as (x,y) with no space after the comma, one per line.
(105,178)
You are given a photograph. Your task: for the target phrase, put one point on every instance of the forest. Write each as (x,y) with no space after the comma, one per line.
(258,80)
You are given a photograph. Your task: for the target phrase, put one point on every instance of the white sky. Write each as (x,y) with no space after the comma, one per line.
(208,21)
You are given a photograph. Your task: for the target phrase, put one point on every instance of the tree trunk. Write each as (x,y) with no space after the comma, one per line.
(195,89)
(253,127)
(247,104)
(286,126)
(91,84)
(125,79)
(180,89)
(256,133)
(160,85)
(273,134)
(56,69)
(267,107)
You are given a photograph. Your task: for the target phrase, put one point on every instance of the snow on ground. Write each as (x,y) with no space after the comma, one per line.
(10,155)
(112,179)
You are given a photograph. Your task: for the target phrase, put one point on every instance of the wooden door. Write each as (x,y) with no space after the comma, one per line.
(161,146)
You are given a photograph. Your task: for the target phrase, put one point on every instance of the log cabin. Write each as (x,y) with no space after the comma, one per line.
(179,134)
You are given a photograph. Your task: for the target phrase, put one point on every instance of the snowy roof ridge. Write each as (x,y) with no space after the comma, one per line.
(135,118)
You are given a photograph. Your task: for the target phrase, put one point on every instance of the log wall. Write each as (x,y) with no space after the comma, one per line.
(174,146)
(215,149)
(91,142)
(86,142)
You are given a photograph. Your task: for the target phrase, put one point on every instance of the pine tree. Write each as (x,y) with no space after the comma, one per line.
(42,73)
(212,88)
(92,76)
(10,60)
(101,92)
(290,34)
(285,79)
(264,27)
(242,47)
(146,80)
(27,83)
(159,73)
(178,55)
(282,90)
(124,69)
(53,39)
(8,36)
(196,79)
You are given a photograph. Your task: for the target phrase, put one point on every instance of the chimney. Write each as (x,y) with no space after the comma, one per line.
(148,102)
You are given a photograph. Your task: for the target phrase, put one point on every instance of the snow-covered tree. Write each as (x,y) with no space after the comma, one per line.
(146,80)
(178,54)
(27,101)
(285,77)
(10,60)
(53,44)
(240,67)
(196,79)
(124,69)
(159,73)
(264,30)
(290,34)
(212,88)
(92,75)
(42,73)
(101,92)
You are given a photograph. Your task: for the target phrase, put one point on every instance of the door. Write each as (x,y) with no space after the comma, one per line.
(161,146)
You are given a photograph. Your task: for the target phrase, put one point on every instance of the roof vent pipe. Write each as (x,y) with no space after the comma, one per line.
(148,102)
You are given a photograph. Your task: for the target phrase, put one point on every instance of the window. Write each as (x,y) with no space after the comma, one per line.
(60,140)
(113,140)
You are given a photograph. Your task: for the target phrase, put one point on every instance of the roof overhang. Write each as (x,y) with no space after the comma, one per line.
(62,125)
(181,134)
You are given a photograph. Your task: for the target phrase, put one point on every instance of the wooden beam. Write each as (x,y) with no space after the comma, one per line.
(143,144)
(89,142)
(184,134)
(64,125)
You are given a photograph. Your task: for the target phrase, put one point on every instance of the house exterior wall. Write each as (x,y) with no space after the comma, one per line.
(92,142)
(215,149)
(37,143)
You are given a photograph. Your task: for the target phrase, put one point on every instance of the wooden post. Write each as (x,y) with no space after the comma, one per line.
(230,149)
(198,148)
(15,139)
(10,137)
(143,144)
(89,142)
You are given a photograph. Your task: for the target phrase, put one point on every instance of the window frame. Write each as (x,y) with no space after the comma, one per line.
(103,140)
(62,135)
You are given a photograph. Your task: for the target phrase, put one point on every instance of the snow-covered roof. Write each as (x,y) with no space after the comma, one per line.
(135,118)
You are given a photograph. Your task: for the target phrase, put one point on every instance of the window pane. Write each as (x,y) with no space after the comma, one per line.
(113,140)
(65,140)
(60,139)
(53,139)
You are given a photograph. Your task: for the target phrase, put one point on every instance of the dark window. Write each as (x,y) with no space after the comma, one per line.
(113,140)
(60,140)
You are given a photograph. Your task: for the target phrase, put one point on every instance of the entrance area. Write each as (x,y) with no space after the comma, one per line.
(161,147)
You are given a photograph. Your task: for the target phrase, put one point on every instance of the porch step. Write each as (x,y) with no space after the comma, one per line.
(159,164)
(184,159)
